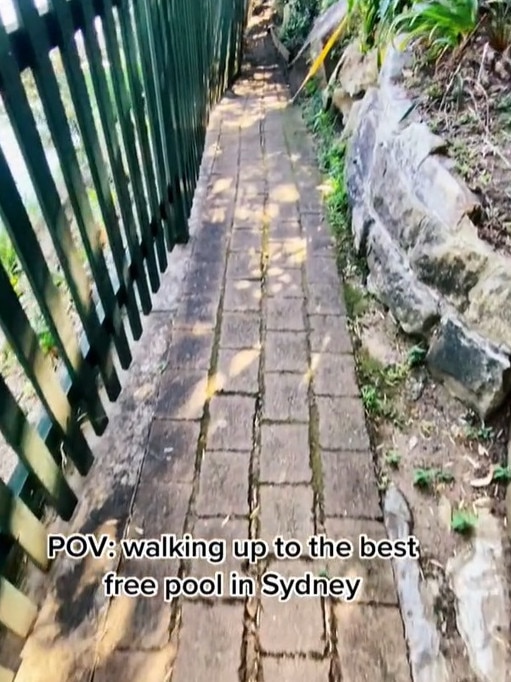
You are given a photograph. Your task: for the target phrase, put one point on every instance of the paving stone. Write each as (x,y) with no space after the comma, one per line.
(286,397)
(334,375)
(219,529)
(159,508)
(231,423)
(247,241)
(171,451)
(284,210)
(323,270)
(240,330)
(284,282)
(242,295)
(238,370)
(286,352)
(378,586)
(183,394)
(241,265)
(288,511)
(364,652)
(130,666)
(329,334)
(197,312)
(209,643)
(285,314)
(295,626)
(191,349)
(342,424)
(285,453)
(284,229)
(325,299)
(350,486)
(223,488)
(296,669)
(290,253)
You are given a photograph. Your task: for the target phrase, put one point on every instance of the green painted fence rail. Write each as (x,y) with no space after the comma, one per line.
(155,68)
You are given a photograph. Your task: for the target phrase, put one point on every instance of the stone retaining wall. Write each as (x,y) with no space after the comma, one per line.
(413,219)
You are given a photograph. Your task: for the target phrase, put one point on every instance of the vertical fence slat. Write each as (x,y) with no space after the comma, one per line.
(31,450)
(24,124)
(48,296)
(6,675)
(108,119)
(180,187)
(39,371)
(18,521)
(156,126)
(124,105)
(17,612)
(135,85)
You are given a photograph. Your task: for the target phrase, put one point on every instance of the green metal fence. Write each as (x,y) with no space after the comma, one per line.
(123,89)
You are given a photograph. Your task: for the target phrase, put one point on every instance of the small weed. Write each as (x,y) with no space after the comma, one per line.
(356,301)
(463,522)
(502,474)
(416,356)
(445,477)
(393,459)
(45,338)
(379,386)
(483,434)
(425,478)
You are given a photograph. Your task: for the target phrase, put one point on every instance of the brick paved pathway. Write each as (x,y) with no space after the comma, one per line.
(258,431)
(260,402)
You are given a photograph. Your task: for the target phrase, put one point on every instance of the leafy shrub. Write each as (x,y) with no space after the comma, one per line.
(443,24)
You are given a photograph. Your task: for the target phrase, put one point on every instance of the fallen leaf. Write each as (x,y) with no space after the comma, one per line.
(483,482)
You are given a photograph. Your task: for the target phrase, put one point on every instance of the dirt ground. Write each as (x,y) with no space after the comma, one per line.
(465,97)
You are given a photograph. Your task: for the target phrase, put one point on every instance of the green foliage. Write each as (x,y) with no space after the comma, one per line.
(373,18)
(425,478)
(502,474)
(393,459)
(45,337)
(463,522)
(301,18)
(442,24)
(499,24)
(9,259)
(417,355)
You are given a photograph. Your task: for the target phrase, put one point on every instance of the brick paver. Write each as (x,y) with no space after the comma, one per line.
(259,429)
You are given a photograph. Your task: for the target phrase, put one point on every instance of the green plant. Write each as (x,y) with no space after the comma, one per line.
(502,474)
(393,459)
(426,478)
(300,19)
(416,356)
(9,259)
(45,337)
(499,24)
(463,522)
(442,24)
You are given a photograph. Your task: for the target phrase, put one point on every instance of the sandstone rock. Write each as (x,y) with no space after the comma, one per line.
(361,224)
(490,305)
(359,156)
(394,283)
(473,370)
(359,70)
(442,193)
(452,266)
